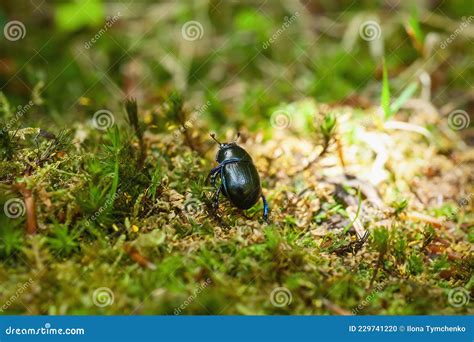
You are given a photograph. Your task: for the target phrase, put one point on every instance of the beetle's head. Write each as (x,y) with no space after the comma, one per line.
(227,150)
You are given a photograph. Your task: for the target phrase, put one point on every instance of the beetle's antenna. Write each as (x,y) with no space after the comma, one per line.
(213,136)
(237,137)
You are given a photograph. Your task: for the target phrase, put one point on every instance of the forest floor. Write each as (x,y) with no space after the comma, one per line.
(155,246)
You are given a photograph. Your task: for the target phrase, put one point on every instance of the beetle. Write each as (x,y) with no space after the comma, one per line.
(240,181)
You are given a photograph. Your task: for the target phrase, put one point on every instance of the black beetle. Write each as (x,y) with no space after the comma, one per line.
(240,181)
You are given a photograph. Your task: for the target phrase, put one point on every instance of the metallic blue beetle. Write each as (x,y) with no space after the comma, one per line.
(240,181)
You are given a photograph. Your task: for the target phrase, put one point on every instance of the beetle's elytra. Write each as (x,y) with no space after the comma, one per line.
(240,181)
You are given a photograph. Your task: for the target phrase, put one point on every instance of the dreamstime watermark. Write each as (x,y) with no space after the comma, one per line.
(193,207)
(280,119)
(14,208)
(193,296)
(370,30)
(465,23)
(46,330)
(368,299)
(104,207)
(281,297)
(103,119)
(458,120)
(21,110)
(194,117)
(14,30)
(21,289)
(458,297)
(102,297)
(460,204)
(108,24)
(286,23)
(192,30)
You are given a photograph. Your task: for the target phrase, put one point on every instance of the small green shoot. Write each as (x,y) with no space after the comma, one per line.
(328,125)
(400,206)
(414,30)
(406,94)
(62,242)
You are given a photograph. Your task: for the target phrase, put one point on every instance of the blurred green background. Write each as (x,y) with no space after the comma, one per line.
(142,53)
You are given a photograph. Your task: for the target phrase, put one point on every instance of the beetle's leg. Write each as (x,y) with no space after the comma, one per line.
(213,179)
(218,169)
(265,208)
(212,174)
(216,198)
(230,161)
